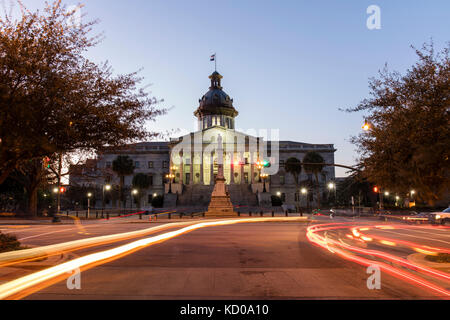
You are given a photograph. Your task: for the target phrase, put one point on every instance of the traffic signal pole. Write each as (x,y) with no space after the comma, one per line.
(58,206)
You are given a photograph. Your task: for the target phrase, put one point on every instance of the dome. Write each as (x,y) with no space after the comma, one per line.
(216,101)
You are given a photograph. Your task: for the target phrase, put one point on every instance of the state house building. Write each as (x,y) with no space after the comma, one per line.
(192,160)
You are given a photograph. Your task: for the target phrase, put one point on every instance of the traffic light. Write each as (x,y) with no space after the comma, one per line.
(375,189)
(46,162)
(62,190)
(266,164)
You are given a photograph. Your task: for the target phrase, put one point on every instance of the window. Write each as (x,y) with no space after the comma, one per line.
(281,163)
(150,198)
(150,164)
(137,164)
(165,164)
(283,197)
(108,164)
(150,179)
(297,197)
(282,180)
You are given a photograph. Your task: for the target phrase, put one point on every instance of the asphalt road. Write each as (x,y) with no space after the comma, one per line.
(246,261)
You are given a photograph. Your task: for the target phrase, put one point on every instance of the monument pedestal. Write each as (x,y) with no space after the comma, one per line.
(170,200)
(220,205)
(265,199)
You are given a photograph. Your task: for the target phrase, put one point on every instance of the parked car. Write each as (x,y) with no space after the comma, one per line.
(441,217)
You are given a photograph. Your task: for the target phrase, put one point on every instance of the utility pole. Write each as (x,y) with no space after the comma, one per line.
(58,205)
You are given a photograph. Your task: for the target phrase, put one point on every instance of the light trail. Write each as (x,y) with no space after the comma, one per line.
(324,242)
(14,257)
(25,284)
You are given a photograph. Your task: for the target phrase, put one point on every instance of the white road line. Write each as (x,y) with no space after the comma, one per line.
(43,234)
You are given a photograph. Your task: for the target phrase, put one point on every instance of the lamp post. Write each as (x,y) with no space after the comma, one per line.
(134,192)
(366,126)
(332,186)
(304,192)
(170,176)
(89,195)
(264,176)
(107,188)
(259,166)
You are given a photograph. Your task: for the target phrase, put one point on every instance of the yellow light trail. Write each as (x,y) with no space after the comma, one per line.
(14,287)
(13,257)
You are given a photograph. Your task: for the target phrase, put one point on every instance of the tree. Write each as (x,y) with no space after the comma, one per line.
(53,100)
(141,182)
(314,163)
(294,167)
(407,146)
(122,166)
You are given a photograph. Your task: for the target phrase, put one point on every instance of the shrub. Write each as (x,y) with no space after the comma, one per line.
(441,258)
(158,202)
(8,243)
(276,201)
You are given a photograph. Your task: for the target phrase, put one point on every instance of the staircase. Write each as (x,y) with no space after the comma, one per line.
(200,195)
(242,195)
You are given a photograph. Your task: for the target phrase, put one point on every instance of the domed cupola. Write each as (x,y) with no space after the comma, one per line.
(216,107)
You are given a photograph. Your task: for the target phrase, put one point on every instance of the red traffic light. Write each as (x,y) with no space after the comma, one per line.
(62,190)
(375,189)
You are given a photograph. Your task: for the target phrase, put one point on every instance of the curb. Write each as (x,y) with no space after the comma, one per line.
(419,258)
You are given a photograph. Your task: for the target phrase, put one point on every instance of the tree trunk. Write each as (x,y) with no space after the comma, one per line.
(32,201)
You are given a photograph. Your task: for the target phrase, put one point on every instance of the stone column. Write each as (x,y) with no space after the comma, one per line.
(191,178)
(202,180)
(211,170)
(252,170)
(180,166)
(232,168)
(242,165)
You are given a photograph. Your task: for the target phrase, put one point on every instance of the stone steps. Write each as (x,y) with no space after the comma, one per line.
(200,195)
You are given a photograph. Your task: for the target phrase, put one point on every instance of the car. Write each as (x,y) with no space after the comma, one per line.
(441,217)
(418,217)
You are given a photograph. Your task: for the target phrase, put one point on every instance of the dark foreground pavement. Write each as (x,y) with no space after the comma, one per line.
(248,261)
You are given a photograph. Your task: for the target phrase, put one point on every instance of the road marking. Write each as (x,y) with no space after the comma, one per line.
(44,234)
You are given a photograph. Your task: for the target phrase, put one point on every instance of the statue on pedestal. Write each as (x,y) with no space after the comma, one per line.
(220,204)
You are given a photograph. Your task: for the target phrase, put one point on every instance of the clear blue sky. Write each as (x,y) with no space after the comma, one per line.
(287,64)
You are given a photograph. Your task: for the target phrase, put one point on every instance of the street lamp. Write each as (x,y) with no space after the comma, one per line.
(170,176)
(386,193)
(366,126)
(89,195)
(259,166)
(264,176)
(107,188)
(332,186)
(134,192)
(304,191)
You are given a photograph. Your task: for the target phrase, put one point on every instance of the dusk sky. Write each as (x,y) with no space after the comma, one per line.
(289,65)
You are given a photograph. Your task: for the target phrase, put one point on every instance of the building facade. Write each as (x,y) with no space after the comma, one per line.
(191,160)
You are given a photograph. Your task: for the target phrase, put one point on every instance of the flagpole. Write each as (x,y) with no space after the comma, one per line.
(215,62)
